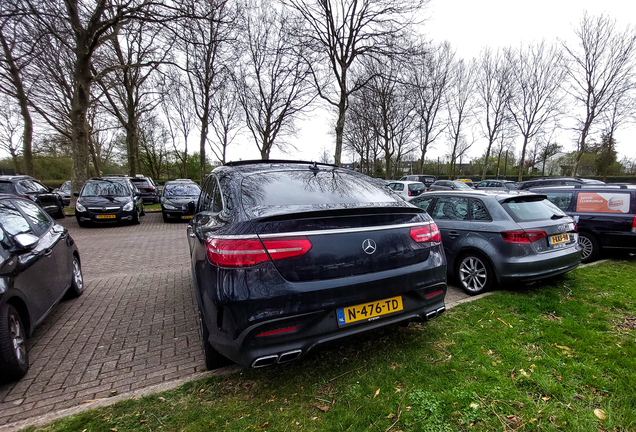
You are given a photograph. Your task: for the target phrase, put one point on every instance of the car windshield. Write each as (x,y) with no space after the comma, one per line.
(531,208)
(307,187)
(32,186)
(6,187)
(417,187)
(461,185)
(181,190)
(104,188)
(511,185)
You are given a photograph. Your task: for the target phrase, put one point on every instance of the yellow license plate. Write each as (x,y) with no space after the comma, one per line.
(369,311)
(559,238)
(187,217)
(105,217)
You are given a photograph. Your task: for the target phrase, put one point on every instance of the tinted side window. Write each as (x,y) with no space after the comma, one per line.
(451,208)
(217,201)
(206,193)
(399,187)
(479,211)
(422,202)
(6,187)
(38,218)
(12,220)
(560,199)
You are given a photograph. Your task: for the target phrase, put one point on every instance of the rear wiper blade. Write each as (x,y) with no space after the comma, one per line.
(557,216)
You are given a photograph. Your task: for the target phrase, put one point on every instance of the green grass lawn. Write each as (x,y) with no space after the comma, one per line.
(556,356)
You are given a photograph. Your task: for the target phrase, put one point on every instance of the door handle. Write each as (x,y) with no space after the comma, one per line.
(48,252)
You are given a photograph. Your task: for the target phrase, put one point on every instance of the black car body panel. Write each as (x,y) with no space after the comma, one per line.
(147,189)
(28,187)
(243,308)
(64,192)
(33,278)
(178,199)
(109,203)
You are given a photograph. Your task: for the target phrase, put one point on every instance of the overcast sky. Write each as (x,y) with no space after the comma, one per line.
(470,25)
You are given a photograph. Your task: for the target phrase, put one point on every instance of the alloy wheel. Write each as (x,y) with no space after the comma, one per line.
(77,275)
(587,247)
(17,339)
(473,274)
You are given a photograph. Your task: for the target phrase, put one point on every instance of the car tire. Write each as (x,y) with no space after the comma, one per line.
(60,213)
(77,281)
(14,358)
(213,359)
(143,210)
(590,248)
(82,224)
(474,273)
(165,218)
(137,216)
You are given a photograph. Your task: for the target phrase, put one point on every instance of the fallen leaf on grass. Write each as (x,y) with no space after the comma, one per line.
(499,319)
(377,392)
(562,347)
(513,420)
(323,408)
(474,405)
(600,414)
(390,416)
(545,398)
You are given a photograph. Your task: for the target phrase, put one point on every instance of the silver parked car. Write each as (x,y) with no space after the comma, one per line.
(493,237)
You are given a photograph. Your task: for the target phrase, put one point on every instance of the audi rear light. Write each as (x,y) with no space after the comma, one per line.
(522,237)
(634,224)
(249,252)
(426,233)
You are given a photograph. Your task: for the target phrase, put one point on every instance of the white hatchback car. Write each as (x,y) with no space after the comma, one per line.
(407,189)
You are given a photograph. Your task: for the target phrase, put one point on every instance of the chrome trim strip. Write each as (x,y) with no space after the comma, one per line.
(323,232)
(107,208)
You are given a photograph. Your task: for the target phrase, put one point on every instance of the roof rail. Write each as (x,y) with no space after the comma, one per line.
(273,161)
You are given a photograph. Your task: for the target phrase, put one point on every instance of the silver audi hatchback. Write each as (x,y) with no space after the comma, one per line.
(500,237)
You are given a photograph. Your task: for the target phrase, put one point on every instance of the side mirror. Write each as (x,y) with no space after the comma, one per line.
(75,194)
(25,240)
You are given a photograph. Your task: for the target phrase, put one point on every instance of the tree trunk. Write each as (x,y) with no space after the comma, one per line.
(16,80)
(79,124)
(483,174)
(204,134)
(132,144)
(523,157)
(95,158)
(342,111)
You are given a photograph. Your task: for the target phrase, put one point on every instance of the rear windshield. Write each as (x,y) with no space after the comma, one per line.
(417,187)
(532,208)
(188,189)
(6,187)
(141,182)
(282,188)
(104,188)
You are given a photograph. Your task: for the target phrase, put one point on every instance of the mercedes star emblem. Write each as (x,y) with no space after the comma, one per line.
(368,246)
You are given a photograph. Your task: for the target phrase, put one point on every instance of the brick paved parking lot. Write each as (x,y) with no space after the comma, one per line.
(135,326)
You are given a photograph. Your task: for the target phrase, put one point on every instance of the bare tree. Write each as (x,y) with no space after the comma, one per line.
(600,71)
(153,138)
(431,76)
(205,37)
(10,126)
(493,85)
(177,107)
(460,103)
(83,28)
(360,136)
(537,78)
(134,53)
(16,55)
(546,149)
(273,82)
(226,120)
(342,32)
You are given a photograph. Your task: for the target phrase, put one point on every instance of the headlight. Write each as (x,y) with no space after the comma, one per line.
(170,206)
(79,207)
(128,207)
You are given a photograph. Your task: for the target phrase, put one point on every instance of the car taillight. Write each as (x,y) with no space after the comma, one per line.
(277,331)
(426,233)
(249,252)
(522,237)
(634,224)
(409,191)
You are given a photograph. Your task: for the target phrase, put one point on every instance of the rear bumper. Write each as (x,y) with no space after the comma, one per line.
(539,266)
(310,309)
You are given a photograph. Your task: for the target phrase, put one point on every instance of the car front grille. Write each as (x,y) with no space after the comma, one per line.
(104,209)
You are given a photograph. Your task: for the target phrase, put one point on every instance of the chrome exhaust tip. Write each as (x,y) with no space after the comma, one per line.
(264,361)
(441,310)
(431,315)
(289,356)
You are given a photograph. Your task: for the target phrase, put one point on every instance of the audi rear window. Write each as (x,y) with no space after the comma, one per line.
(531,208)
(307,187)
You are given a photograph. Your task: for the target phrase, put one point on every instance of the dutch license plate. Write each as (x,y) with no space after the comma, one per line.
(559,238)
(369,311)
(105,217)
(187,217)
